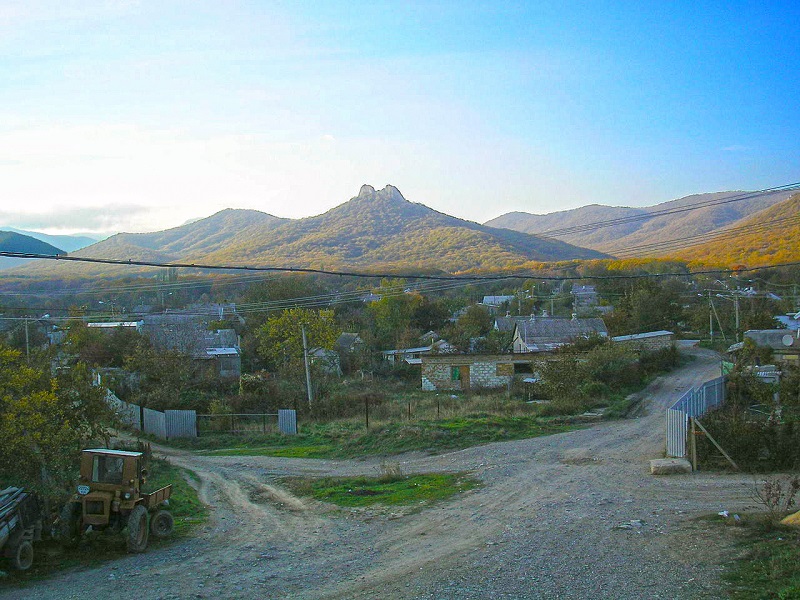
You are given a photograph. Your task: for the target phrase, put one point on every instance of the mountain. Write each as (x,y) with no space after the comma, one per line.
(191,241)
(642,231)
(69,243)
(376,229)
(771,236)
(11,241)
(382,228)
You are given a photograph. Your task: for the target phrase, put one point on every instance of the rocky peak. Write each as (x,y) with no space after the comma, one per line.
(366,190)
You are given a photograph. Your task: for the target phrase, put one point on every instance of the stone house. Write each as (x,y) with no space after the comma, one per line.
(462,372)
(646,342)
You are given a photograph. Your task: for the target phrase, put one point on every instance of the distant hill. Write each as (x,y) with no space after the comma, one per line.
(10,241)
(69,243)
(770,236)
(376,229)
(638,229)
(189,242)
(383,228)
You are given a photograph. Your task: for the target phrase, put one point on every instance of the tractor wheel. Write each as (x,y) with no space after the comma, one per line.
(137,529)
(22,559)
(70,526)
(162,524)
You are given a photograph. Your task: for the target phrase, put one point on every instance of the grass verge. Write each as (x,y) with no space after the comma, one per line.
(351,439)
(401,490)
(97,547)
(769,569)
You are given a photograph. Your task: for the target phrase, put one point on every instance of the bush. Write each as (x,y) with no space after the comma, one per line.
(754,442)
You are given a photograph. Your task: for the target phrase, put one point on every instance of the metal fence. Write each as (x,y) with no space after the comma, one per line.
(693,403)
(286,422)
(187,423)
(180,423)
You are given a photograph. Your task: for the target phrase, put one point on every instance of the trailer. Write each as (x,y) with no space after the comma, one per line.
(20,526)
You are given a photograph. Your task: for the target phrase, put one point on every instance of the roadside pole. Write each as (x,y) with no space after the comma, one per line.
(308,371)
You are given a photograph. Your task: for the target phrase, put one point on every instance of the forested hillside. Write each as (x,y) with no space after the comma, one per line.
(768,237)
(627,232)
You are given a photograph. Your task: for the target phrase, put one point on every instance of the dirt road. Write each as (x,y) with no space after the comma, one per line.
(574,515)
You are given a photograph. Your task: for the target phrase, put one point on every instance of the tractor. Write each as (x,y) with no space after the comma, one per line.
(110,496)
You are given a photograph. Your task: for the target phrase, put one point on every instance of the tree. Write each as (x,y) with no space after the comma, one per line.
(45,421)
(163,377)
(280,338)
(393,315)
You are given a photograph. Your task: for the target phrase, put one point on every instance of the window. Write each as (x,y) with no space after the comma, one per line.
(107,469)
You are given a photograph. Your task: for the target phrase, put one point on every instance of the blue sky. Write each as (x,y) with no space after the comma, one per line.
(137,116)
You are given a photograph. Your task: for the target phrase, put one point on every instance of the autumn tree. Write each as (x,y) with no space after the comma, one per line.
(280,338)
(45,421)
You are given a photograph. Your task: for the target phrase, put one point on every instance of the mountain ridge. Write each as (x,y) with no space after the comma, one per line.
(618,238)
(373,229)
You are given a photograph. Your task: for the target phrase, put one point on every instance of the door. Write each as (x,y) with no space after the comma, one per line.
(464,378)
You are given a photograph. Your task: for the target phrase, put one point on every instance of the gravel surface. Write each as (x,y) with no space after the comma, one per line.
(574,515)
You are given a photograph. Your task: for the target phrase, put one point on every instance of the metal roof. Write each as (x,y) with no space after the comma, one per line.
(114,452)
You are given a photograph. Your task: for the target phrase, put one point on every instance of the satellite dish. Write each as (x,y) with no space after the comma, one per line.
(787,340)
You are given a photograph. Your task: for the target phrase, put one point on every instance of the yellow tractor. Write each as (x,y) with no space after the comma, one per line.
(109,495)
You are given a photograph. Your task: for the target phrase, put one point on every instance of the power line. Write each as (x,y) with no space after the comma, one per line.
(370,275)
(560,232)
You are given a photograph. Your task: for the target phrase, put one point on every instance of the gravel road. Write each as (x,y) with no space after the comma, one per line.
(574,515)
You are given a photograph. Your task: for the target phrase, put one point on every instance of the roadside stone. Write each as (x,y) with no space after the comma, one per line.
(670,466)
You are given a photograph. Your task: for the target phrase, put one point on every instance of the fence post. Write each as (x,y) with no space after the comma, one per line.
(693,445)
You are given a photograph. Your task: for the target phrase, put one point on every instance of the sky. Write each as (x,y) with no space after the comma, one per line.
(139,116)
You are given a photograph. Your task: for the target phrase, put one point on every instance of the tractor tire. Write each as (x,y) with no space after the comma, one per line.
(162,524)
(22,559)
(70,527)
(137,529)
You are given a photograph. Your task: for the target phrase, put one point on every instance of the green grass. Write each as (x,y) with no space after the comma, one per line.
(770,568)
(353,439)
(97,547)
(415,490)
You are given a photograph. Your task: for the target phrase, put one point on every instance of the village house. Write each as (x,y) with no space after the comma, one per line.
(785,344)
(218,350)
(584,298)
(413,356)
(463,372)
(495,303)
(545,334)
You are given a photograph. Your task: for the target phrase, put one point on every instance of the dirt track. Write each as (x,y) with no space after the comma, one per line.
(546,525)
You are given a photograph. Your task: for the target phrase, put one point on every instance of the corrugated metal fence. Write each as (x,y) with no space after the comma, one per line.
(179,423)
(693,403)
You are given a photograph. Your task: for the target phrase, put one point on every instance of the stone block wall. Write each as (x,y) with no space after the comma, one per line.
(483,372)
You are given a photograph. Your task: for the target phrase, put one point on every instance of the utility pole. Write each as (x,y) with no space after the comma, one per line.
(308,371)
(27,343)
(710,318)
(736,305)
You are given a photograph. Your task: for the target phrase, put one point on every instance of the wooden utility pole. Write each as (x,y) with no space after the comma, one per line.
(27,343)
(308,370)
